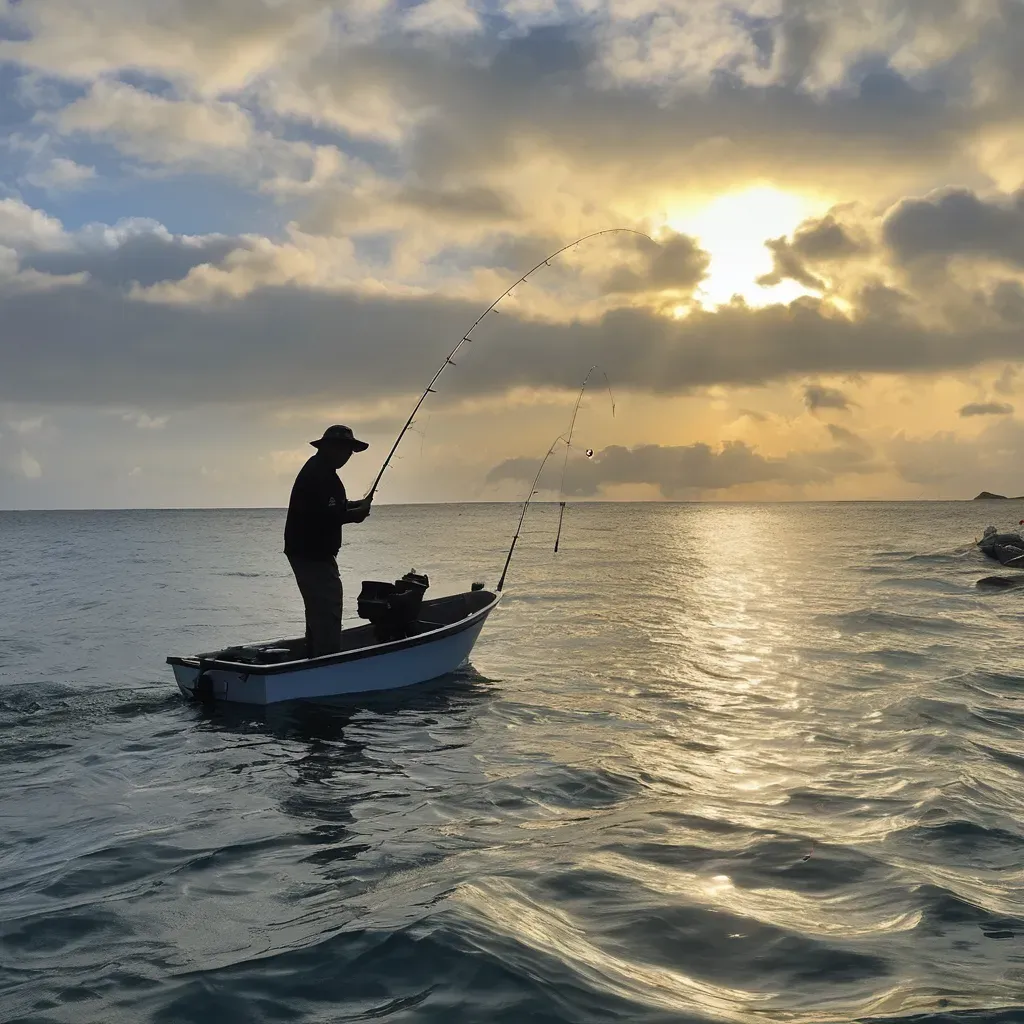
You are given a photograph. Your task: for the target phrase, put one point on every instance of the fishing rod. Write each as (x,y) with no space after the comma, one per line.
(568,445)
(565,439)
(449,361)
(526,505)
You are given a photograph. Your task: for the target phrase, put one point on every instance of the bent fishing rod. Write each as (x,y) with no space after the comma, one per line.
(449,361)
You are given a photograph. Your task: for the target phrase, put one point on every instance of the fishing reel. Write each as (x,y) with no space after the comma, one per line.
(393,608)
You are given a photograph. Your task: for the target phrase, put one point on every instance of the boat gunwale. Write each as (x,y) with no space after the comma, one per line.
(325,660)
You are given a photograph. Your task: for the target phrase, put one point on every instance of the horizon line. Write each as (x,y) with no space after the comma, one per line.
(552,501)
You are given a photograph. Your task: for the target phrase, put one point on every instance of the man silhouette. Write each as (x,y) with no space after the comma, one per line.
(317,509)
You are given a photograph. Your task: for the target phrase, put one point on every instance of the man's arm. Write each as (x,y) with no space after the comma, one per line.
(357,511)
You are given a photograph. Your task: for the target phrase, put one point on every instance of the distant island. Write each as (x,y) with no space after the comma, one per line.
(989,496)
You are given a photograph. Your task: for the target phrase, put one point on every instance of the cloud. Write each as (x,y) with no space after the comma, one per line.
(675,262)
(986,409)
(817,396)
(61,174)
(22,227)
(611,101)
(476,203)
(140,252)
(156,129)
(788,266)
(442,17)
(753,414)
(822,243)
(842,436)
(624,92)
(953,466)
(826,239)
(217,45)
(144,421)
(695,470)
(287,338)
(954,222)
(347,183)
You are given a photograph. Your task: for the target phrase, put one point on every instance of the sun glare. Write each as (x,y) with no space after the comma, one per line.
(732,228)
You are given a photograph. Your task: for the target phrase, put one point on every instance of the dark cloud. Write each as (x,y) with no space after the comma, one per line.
(675,262)
(986,409)
(817,396)
(797,45)
(483,113)
(826,239)
(1008,301)
(516,254)
(787,265)
(474,203)
(884,304)
(821,241)
(145,258)
(692,470)
(848,438)
(91,343)
(955,222)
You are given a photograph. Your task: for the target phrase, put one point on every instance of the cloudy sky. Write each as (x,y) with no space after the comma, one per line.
(225,224)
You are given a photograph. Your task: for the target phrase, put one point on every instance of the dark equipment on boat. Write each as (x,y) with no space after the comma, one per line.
(1006,548)
(393,608)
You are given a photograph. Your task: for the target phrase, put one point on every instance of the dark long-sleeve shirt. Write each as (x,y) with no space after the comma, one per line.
(316,512)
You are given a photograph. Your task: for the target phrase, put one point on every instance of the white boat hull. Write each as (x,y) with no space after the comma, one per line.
(429,655)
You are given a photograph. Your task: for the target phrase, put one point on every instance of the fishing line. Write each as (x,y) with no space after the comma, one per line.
(565,439)
(526,505)
(568,445)
(449,361)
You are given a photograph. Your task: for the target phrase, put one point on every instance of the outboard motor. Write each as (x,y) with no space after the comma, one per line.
(393,608)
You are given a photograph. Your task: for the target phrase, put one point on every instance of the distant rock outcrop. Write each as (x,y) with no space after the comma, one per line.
(989,496)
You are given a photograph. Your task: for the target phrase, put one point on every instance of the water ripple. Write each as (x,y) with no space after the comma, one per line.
(678,785)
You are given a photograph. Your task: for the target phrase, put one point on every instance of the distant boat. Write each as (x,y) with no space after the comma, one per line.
(405,644)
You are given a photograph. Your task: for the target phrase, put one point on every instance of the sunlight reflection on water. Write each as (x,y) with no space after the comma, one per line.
(710,763)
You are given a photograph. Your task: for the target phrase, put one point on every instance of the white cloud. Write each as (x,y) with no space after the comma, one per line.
(216,44)
(21,227)
(61,175)
(215,136)
(443,17)
(155,129)
(144,421)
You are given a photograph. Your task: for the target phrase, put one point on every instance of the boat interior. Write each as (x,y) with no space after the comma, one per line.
(433,614)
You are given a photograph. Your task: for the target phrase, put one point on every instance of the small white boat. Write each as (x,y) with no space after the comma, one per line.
(438,641)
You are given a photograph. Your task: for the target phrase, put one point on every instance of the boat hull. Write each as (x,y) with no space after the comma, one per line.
(389,666)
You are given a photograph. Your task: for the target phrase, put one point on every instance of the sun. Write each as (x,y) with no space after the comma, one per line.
(732,228)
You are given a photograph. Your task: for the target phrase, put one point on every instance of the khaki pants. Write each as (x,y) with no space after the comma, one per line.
(320,587)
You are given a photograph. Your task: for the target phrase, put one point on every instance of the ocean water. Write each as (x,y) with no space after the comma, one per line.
(709,763)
